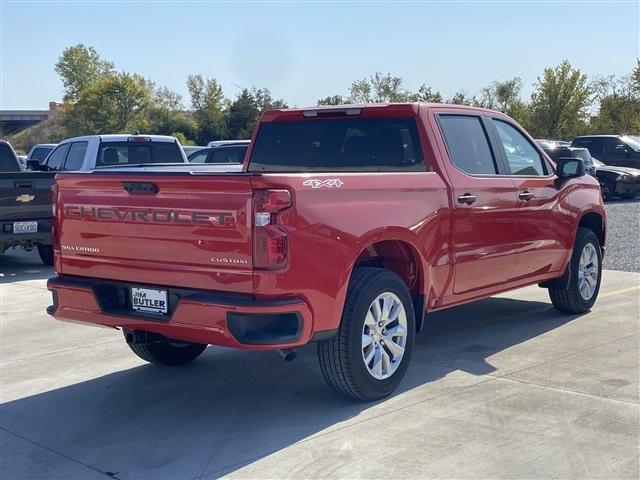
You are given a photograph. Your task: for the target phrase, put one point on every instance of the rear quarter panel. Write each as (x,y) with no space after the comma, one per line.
(328,228)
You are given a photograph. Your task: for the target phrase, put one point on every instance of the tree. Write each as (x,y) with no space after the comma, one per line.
(460,98)
(426,94)
(378,88)
(559,102)
(207,100)
(115,103)
(333,100)
(264,100)
(635,77)
(79,67)
(166,115)
(507,93)
(242,115)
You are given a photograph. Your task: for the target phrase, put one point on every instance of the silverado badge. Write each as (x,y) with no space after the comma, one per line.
(25,198)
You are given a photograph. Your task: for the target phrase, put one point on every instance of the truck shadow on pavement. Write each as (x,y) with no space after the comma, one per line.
(18,265)
(229,409)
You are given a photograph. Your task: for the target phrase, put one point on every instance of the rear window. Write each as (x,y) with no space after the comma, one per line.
(40,153)
(122,153)
(344,144)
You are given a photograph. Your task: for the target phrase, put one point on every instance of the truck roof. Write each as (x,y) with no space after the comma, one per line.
(121,138)
(404,108)
(223,143)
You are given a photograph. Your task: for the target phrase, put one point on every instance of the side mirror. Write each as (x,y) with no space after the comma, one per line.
(34,165)
(567,168)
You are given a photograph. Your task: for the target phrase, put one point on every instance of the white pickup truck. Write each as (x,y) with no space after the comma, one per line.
(96,151)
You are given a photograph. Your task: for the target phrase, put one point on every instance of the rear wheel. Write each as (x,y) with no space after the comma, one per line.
(585,272)
(46,254)
(167,352)
(368,357)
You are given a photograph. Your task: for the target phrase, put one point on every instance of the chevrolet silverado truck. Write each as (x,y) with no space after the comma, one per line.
(346,226)
(25,206)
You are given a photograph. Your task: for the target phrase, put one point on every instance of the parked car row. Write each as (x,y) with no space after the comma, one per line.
(614,181)
(613,159)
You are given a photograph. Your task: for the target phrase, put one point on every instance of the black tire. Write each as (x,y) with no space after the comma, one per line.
(46,254)
(569,299)
(607,188)
(341,359)
(167,352)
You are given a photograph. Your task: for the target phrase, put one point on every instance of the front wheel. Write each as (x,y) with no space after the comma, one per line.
(607,189)
(585,272)
(368,357)
(167,352)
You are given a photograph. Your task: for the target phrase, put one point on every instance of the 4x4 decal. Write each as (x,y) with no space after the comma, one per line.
(329,183)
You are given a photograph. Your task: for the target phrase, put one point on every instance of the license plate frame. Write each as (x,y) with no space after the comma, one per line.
(150,300)
(20,228)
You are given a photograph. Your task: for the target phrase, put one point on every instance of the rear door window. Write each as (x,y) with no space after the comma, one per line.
(75,157)
(228,155)
(593,144)
(340,144)
(57,157)
(199,157)
(468,144)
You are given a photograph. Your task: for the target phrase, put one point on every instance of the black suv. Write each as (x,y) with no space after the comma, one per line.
(620,150)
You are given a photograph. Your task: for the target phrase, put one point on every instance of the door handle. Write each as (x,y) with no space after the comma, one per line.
(526,196)
(467,199)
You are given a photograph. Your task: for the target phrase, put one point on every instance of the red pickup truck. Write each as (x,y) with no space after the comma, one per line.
(345,227)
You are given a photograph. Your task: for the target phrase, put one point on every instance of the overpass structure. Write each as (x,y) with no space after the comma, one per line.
(13,121)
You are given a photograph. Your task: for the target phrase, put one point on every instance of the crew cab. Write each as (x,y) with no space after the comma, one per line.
(97,151)
(345,227)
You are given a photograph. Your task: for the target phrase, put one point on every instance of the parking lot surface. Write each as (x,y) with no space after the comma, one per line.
(502,388)
(623,235)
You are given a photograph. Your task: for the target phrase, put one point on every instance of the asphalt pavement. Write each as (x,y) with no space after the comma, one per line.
(623,235)
(501,388)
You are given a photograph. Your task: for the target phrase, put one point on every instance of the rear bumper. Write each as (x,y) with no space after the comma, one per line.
(230,320)
(627,188)
(10,239)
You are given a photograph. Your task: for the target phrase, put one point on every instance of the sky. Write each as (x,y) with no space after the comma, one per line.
(305,51)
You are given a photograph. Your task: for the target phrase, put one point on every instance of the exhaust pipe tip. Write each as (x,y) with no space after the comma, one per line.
(288,354)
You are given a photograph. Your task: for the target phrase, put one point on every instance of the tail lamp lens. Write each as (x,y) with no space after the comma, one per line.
(269,238)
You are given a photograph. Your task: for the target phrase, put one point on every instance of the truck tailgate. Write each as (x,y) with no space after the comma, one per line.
(25,195)
(178,229)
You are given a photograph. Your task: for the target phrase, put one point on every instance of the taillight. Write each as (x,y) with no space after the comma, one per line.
(54,231)
(269,239)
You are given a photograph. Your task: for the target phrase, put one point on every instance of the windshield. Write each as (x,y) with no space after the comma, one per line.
(633,142)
